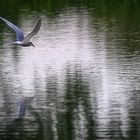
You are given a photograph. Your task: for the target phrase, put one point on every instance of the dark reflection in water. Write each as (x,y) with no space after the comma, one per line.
(76,107)
(81,82)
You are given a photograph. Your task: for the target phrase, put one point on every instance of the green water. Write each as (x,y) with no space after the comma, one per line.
(81,82)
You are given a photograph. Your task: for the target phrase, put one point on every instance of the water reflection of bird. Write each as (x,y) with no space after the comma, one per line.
(20,39)
(23,103)
(22,108)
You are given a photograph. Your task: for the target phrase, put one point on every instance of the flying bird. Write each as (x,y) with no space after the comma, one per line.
(20,39)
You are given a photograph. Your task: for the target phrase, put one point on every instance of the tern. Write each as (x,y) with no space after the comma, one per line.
(20,39)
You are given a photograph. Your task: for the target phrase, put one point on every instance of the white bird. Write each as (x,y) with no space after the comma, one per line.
(20,39)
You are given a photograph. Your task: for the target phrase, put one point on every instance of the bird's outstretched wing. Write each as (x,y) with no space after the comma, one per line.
(19,32)
(35,30)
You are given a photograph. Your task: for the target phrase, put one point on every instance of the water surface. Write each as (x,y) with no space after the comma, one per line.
(82,79)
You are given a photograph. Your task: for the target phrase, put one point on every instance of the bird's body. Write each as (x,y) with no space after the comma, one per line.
(20,39)
(23,44)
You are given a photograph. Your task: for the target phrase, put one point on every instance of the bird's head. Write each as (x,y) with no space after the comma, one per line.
(31,44)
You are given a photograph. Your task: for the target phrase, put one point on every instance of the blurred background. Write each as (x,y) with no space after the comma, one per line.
(81,82)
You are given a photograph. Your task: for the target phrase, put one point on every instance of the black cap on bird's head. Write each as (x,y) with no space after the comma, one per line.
(31,44)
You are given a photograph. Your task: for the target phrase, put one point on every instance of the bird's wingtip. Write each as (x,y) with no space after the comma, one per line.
(1,17)
(39,21)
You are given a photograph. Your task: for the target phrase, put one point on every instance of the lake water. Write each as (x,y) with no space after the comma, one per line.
(81,81)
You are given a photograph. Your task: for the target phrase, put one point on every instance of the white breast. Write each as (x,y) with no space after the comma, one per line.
(17,43)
